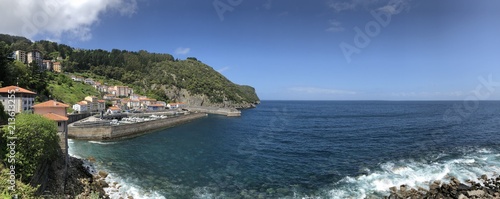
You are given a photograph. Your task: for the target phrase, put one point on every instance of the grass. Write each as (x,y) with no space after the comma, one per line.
(73,92)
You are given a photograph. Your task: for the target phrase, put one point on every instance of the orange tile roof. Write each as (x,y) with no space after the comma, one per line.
(101,100)
(114,108)
(51,103)
(16,89)
(156,105)
(147,99)
(55,117)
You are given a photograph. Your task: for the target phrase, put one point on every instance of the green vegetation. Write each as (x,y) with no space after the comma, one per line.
(147,73)
(64,89)
(37,143)
(23,190)
(3,115)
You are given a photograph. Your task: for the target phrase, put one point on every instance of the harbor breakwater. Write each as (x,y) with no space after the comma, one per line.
(230,112)
(111,132)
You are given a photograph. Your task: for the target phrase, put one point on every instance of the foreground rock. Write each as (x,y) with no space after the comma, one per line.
(79,184)
(483,188)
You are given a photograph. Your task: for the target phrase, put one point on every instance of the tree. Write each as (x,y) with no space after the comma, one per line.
(3,115)
(37,143)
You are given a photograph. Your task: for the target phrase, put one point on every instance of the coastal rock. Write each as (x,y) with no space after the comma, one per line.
(91,159)
(393,189)
(103,183)
(462,196)
(103,174)
(477,193)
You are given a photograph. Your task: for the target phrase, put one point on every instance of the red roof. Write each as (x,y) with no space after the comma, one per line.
(16,89)
(114,108)
(55,117)
(51,103)
(157,105)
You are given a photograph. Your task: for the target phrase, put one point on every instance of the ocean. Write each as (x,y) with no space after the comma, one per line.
(306,149)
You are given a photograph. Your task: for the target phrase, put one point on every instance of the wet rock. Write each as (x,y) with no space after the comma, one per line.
(103,183)
(402,188)
(393,189)
(484,177)
(103,174)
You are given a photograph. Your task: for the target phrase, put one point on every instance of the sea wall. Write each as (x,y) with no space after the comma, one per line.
(127,130)
(230,112)
(75,117)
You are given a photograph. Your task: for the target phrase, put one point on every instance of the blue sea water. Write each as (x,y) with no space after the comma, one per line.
(307,149)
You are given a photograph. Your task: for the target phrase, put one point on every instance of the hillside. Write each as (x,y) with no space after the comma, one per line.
(157,75)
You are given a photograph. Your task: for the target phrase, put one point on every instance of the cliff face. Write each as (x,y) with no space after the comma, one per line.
(183,95)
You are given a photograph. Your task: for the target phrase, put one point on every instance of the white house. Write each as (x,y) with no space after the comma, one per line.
(113,110)
(81,107)
(17,99)
(175,105)
(89,81)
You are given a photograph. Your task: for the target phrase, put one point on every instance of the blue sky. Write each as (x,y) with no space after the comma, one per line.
(427,50)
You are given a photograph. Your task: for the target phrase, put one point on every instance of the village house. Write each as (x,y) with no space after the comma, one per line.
(77,78)
(17,99)
(92,102)
(57,112)
(145,102)
(54,110)
(134,104)
(81,107)
(57,67)
(101,105)
(124,104)
(162,103)
(47,65)
(155,107)
(89,81)
(175,105)
(108,97)
(120,91)
(113,110)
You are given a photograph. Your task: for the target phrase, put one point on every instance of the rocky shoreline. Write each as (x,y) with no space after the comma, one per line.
(483,188)
(80,183)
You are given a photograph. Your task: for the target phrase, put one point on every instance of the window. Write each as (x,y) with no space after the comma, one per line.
(59,124)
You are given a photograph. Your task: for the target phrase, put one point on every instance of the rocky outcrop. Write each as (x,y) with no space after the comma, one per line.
(485,188)
(202,100)
(79,184)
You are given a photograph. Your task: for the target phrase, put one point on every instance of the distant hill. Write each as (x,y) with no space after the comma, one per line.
(157,75)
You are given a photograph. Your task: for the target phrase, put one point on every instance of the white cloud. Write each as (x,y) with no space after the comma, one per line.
(182,51)
(223,69)
(57,18)
(395,6)
(389,6)
(323,91)
(335,26)
(341,6)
